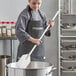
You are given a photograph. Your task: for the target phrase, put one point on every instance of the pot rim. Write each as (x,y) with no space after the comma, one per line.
(40,68)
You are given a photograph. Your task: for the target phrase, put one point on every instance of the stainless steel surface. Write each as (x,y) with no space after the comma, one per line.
(34,69)
(3,61)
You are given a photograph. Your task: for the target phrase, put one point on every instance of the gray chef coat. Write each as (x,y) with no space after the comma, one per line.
(27,25)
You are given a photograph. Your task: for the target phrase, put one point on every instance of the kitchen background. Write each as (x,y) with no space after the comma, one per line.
(9,11)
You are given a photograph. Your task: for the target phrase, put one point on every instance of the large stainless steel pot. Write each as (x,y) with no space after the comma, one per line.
(34,69)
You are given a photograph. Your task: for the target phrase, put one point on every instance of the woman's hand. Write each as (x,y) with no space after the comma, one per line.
(51,22)
(35,41)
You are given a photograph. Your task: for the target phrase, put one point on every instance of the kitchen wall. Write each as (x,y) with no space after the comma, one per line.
(9,11)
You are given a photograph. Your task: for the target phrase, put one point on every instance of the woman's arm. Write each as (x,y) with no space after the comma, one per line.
(21,26)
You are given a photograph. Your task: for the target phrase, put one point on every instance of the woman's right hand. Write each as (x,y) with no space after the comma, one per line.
(35,41)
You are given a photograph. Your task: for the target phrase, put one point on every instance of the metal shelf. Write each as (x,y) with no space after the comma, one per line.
(68,51)
(69,41)
(70,38)
(67,36)
(69,61)
(69,71)
(69,14)
(72,30)
(8,38)
(11,44)
(68,18)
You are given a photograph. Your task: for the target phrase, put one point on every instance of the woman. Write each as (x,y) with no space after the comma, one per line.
(29,27)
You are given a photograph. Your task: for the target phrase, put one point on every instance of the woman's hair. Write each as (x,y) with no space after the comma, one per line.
(28,0)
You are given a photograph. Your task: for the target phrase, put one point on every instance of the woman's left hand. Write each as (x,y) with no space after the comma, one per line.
(51,22)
